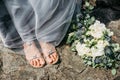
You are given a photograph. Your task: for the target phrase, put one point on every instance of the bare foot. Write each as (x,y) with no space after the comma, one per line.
(33,55)
(49,52)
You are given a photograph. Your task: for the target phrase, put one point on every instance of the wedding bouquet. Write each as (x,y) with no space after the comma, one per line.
(93,41)
(97,49)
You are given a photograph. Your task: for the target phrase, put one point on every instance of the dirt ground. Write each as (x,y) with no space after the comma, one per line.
(13,66)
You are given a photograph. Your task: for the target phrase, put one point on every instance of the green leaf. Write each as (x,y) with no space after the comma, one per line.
(92,19)
(87,4)
(89,62)
(74,27)
(113,71)
(91,7)
(73,48)
(116,65)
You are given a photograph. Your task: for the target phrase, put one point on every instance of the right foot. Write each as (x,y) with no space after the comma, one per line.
(50,54)
(33,55)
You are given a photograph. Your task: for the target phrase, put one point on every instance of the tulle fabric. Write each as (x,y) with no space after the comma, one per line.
(26,20)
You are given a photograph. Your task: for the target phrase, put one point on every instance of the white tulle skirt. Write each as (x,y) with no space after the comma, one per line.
(27,20)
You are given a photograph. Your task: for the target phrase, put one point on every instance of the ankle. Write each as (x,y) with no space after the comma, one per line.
(27,44)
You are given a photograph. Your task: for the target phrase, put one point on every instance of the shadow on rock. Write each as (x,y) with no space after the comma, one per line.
(117,78)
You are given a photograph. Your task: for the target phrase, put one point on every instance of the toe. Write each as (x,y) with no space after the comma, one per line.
(32,62)
(55,56)
(52,57)
(35,63)
(38,63)
(42,62)
(49,60)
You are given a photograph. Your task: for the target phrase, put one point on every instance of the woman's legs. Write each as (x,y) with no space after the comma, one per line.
(49,18)
(52,21)
(23,18)
(42,10)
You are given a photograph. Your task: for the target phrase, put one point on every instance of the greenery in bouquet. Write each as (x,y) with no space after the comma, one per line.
(92,41)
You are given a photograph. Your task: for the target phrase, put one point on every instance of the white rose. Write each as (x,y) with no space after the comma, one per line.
(96,34)
(97,29)
(82,49)
(106,43)
(97,52)
(102,43)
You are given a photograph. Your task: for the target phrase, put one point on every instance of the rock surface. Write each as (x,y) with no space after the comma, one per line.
(115,27)
(13,66)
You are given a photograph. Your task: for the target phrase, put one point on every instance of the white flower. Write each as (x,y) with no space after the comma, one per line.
(110,33)
(97,34)
(88,32)
(82,49)
(97,29)
(102,43)
(86,40)
(97,52)
(71,34)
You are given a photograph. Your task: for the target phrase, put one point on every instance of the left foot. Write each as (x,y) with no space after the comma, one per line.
(49,52)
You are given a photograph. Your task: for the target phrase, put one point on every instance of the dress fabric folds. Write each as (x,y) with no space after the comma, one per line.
(26,20)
